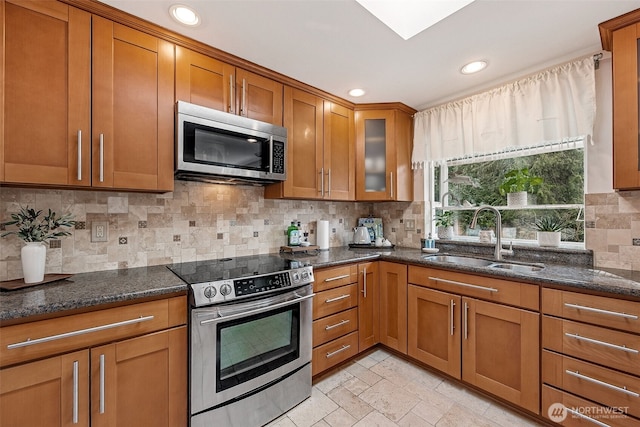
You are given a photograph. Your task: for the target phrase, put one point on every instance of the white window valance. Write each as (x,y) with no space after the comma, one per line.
(558,104)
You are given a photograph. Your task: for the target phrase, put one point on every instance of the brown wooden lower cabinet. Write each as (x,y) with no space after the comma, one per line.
(368,305)
(393,305)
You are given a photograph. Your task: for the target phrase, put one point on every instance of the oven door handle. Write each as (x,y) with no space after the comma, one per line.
(257,311)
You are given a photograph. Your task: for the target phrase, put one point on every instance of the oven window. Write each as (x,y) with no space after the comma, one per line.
(203,144)
(255,345)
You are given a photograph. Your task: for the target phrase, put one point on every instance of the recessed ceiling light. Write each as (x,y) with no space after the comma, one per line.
(184,15)
(356,92)
(474,67)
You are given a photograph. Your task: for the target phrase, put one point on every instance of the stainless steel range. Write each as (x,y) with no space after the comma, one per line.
(250,338)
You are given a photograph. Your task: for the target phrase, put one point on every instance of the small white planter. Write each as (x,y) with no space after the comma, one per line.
(33,256)
(517,199)
(549,238)
(445,232)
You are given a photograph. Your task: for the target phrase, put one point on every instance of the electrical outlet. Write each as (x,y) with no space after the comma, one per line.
(99,231)
(409,224)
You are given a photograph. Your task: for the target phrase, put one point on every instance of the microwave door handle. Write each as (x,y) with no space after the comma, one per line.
(271,154)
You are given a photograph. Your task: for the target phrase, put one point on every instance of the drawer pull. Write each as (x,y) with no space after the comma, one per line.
(338,298)
(451,309)
(602,383)
(601,311)
(606,344)
(466,285)
(584,417)
(340,350)
(29,341)
(340,323)
(331,279)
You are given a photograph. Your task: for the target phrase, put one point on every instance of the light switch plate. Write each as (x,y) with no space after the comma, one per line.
(410,224)
(99,231)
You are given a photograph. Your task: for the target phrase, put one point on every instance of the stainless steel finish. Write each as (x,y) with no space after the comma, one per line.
(322,181)
(584,417)
(272,401)
(364,279)
(252,312)
(602,383)
(101,177)
(601,311)
(271,154)
(29,341)
(329,182)
(391,184)
(518,268)
(79,154)
(498,250)
(102,396)
(466,285)
(204,323)
(603,343)
(228,122)
(231,95)
(474,262)
(341,297)
(340,350)
(465,320)
(243,106)
(75,392)
(331,279)
(451,314)
(340,323)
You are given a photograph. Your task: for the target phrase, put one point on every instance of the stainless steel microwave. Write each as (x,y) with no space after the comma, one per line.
(218,147)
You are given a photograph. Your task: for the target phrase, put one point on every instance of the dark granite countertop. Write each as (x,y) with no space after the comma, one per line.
(86,290)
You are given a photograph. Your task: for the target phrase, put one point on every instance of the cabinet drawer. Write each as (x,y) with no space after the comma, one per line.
(602,385)
(614,349)
(335,300)
(334,326)
(487,288)
(330,278)
(601,311)
(28,341)
(590,414)
(334,352)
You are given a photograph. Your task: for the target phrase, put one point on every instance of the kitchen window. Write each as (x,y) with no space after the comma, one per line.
(461,185)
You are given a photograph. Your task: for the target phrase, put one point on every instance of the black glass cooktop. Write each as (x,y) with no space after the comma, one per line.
(233,268)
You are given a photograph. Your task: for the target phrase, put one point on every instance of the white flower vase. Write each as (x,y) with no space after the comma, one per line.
(33,256)
(517,199)
(549,238)
(445,232)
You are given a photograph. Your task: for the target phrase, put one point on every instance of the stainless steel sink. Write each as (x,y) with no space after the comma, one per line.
(463,260)
(517,268)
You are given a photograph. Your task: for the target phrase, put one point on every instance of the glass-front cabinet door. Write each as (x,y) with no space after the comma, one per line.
(375,155)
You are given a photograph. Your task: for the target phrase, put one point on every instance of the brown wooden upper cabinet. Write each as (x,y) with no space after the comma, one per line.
(205,81)
(320,149)
(621,35)
(383,154)
(49,135)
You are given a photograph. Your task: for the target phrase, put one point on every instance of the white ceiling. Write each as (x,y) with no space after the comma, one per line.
(336,45)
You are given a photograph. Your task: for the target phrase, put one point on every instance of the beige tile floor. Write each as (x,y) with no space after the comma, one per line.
(380,389)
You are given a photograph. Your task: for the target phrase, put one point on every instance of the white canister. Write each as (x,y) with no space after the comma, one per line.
(33,256)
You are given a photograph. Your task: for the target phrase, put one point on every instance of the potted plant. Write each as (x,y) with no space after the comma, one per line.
(516,184)
(35,231)
(549,231)
(444,222)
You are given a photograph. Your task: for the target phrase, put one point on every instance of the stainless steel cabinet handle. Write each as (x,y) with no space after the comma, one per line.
(102,383)
(243,111)
(231,94)
(79,154)
(331,279)
(29,341)
(451,309)
(75,392)
(391,183)
(341,297)
(340,323)
(329,183)
(603,343)
(465,321)
(340,350)
(466,285)
(364,288)
(601,311)
(322,181)
(584,417)
(602,383)
(101,157)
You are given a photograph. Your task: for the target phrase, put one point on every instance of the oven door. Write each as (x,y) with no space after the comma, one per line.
(240,347)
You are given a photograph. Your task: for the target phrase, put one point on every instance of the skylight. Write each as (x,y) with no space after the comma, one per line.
(410,17)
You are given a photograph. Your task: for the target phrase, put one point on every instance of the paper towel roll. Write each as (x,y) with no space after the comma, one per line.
(323,234)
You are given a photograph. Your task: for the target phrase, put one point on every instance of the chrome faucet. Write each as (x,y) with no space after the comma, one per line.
(498,251)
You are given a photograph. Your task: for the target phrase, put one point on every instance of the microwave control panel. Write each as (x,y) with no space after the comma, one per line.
(278,157)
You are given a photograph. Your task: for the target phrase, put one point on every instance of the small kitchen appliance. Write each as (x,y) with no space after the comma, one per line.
(361,236)
(250,325)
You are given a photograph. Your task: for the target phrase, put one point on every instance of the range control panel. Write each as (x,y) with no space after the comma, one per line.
(227,290)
